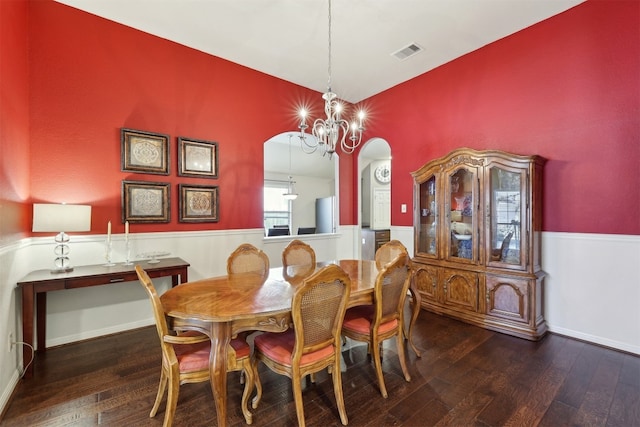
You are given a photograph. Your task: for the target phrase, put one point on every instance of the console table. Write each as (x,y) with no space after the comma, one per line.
(36,284)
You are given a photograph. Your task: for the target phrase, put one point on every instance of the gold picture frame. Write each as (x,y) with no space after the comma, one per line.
(197,158)
(146,202)
(198,203)
(144,152)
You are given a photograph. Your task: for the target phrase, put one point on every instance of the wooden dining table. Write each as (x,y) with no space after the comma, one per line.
(224,306)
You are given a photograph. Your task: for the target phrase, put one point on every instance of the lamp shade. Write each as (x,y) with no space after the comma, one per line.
(61,217)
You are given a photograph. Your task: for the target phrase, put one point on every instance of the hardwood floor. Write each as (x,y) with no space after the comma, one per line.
(467,376)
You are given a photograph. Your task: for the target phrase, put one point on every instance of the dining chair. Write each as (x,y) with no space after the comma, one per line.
(501,253)
(388,252)
(246,258)
(185,358)
(384,255)
(383,319)
(298,260)
(313,344)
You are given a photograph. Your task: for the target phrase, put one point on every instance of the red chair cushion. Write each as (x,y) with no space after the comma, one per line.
(358,319)
(240,346)
(193,357)
(279,346)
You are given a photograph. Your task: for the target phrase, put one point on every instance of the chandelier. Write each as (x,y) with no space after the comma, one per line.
(328,131)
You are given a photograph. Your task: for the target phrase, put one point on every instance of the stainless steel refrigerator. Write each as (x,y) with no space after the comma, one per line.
(325,215)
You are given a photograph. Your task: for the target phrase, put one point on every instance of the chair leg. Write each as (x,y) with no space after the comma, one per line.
(375,346)
(297,397)
(337,390)
(402,356)
(258,384)
(248,389)
(172,399)
(161,388)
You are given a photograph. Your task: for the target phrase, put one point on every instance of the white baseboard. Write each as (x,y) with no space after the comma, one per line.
(617,345)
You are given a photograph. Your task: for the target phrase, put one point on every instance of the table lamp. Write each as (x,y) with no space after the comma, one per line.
(61,218)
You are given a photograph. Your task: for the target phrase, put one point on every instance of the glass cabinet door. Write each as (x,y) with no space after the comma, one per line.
(507,198)
(460,228)
(427,216)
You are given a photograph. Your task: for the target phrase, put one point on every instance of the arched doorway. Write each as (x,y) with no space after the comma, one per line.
(374,194)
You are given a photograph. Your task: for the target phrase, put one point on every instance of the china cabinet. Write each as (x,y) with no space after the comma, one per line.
(477,249)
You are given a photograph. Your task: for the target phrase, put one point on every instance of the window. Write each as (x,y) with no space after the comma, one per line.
(277,209)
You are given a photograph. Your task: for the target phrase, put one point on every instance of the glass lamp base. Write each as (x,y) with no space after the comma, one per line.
(61,263)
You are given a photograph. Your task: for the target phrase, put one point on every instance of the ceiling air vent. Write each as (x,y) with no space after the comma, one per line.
(407,51)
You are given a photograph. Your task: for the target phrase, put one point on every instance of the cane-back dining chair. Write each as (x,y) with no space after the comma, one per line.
(317,307)
(298,260)
(383,319)
(384,255)
(246,258)
(185,358)
(388,252)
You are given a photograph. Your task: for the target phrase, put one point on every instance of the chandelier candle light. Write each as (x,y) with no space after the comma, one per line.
(327,132)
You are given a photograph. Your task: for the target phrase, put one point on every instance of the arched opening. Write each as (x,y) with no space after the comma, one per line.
(374,195)
(315,208)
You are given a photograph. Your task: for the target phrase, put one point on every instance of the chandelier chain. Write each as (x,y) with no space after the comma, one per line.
(329,62)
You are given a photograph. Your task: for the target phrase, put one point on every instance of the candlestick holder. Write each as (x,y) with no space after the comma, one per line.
(107,254)
(127,251)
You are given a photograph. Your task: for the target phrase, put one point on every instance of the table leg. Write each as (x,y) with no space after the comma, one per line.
(41,320)
(416,300)
(27,325)
(220,334)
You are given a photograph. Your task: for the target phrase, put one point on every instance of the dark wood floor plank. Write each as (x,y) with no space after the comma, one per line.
(557,415)
(467,376)
(596,404)
(576,384)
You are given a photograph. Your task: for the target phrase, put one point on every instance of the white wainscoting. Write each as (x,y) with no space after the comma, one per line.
(592,291)
(592,288)
(78,314)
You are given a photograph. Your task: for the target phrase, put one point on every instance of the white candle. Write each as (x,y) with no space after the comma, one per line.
(126,229)
(109,232)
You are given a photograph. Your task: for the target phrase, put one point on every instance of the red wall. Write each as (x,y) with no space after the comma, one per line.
(14,121)
(90,77)
(567,89)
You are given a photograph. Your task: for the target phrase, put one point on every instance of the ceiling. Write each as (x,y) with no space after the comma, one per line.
(289,39)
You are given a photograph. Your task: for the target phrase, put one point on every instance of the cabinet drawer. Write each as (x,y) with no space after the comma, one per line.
(383,236)
(83,282)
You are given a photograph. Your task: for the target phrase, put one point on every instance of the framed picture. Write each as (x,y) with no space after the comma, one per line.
(197,158)
(198,203)
(144,201)
(144,152)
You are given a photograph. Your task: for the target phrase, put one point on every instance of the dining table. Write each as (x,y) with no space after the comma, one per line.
(221,307)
